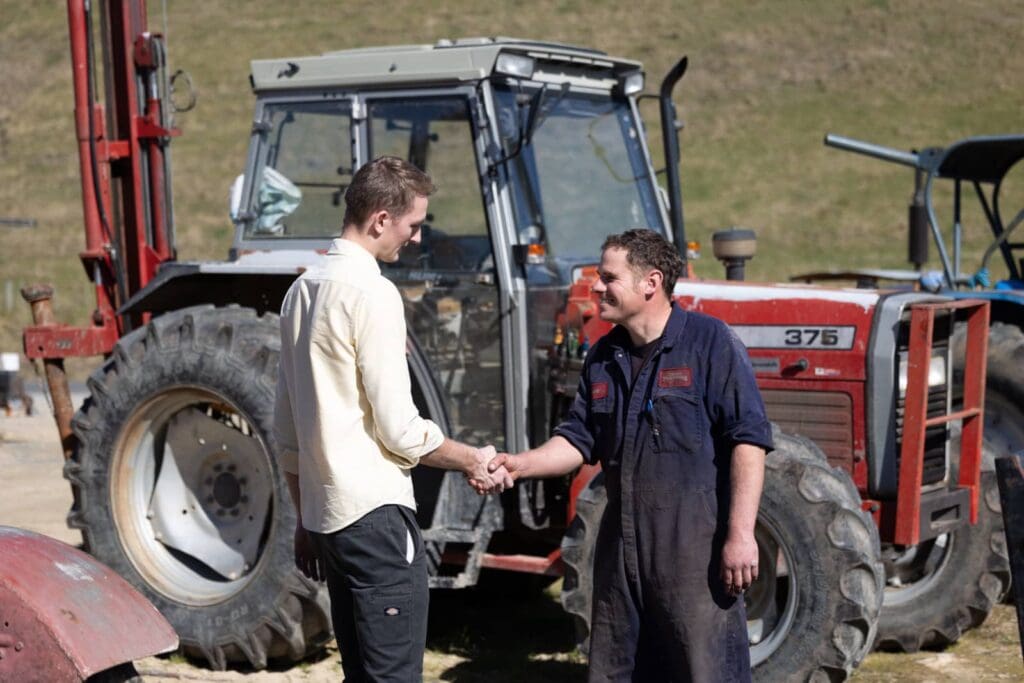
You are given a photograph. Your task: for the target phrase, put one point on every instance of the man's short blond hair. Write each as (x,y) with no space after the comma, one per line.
(384,184)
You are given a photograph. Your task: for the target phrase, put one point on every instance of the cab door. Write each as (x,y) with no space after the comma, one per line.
(448,281)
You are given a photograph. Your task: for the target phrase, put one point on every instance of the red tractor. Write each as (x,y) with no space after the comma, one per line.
(539,153)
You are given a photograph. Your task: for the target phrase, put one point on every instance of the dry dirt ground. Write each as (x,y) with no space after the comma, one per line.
(474,635)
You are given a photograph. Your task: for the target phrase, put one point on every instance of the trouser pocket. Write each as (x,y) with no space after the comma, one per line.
(383,615)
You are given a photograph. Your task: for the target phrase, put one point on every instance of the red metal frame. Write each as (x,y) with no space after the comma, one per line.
(123,172)
(922,321)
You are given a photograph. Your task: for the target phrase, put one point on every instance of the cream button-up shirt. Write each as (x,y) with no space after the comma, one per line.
(344,418)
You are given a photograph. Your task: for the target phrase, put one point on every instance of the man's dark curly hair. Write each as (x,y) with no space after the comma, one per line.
(648,250)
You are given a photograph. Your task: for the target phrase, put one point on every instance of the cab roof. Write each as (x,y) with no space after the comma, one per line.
(447,61)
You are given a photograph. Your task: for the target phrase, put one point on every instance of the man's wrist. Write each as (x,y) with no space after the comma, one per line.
(741,532)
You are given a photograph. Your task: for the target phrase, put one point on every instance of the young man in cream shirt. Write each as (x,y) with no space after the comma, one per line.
(348,432)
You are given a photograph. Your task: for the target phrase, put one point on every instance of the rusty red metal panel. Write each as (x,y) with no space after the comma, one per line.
(550,564)
(65,616)
(64,341)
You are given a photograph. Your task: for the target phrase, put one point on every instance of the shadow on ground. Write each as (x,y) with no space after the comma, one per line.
(501,634)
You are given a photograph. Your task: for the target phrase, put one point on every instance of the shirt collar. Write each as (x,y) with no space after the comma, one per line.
(343,247)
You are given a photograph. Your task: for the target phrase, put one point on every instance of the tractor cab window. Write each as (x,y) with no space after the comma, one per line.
(580,174)
(434,134)
(306,166)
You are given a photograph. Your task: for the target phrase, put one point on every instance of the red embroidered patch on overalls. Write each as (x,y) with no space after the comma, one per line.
(675,377)
(598,390)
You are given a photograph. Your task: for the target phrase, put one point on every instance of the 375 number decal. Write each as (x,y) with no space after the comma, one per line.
(809,336)
(825,337)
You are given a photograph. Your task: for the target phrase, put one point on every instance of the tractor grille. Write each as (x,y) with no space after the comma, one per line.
(936,437)
(824,417)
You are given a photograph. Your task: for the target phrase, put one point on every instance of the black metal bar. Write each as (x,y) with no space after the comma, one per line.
(670,139)
(1010,473)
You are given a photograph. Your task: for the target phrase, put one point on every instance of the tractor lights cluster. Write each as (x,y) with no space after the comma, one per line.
(631,83)
(518,66)
(936,370)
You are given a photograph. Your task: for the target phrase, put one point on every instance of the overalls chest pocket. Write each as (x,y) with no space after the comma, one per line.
(677,425)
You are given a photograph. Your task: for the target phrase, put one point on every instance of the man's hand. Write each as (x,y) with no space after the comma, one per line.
(482,479)
(307,559)
(739,562)
(510,465)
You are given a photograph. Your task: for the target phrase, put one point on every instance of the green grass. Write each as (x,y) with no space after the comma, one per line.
(766,81)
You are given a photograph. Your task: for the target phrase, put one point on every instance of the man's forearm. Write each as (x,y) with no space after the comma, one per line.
(554,458)
(746,481)
(451,455)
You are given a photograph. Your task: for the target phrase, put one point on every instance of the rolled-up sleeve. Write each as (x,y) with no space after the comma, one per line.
(379,334)
(735,404)
(576,428)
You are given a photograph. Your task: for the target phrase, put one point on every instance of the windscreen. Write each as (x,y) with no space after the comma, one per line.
(580,173)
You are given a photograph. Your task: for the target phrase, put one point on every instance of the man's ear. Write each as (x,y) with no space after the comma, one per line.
(378,221)
(652,283)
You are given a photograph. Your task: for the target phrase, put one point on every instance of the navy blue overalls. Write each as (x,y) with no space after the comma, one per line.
(660,610)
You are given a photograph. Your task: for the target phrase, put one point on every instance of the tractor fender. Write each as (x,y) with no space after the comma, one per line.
(66,616)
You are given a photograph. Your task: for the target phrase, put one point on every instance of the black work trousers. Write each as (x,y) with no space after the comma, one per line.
(379,598)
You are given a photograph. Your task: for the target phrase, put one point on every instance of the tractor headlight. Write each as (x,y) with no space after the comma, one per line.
(936,371)
(519,66)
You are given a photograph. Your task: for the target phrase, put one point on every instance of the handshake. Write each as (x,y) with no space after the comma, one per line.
(490,471)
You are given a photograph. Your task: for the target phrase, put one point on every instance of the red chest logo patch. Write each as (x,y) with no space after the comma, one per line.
(675,377)
(598,390)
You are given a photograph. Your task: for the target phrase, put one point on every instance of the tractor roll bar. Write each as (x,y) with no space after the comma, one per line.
(872,150)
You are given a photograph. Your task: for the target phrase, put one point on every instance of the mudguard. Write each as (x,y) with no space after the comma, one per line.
(64,616)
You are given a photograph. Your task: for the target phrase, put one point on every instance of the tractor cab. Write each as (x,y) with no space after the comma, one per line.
(538,152)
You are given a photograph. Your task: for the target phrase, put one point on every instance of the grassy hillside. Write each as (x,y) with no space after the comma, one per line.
(767,79)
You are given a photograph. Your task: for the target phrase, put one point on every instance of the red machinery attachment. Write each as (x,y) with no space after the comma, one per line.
(65,616)
(922,322)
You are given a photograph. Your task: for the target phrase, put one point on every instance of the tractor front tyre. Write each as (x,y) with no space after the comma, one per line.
(813,610)
(941,588)
(176,487)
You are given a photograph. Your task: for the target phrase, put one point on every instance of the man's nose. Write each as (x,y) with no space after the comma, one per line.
(416,237)
(598,286)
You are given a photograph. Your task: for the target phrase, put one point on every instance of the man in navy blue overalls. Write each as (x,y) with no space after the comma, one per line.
(668,405)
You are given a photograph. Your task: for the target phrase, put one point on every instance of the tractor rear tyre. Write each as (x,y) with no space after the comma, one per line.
(177,489)
(812,612)
(578,546)
(943,587)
